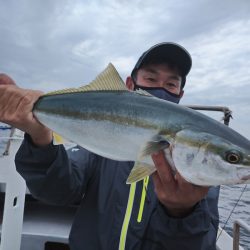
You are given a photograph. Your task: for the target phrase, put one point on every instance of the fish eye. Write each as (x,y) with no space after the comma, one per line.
(233,157)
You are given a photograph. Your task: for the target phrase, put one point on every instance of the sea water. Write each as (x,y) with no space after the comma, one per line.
(234,203)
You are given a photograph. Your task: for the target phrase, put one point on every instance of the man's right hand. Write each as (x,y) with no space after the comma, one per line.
(16,106)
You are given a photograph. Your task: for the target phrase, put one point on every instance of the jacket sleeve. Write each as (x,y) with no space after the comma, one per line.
(198,231)
(53,174)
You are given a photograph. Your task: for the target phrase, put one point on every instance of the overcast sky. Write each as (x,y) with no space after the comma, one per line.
(49,45)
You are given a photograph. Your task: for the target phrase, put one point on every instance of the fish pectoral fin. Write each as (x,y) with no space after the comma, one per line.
(108,80)
(140,171)
(157,143)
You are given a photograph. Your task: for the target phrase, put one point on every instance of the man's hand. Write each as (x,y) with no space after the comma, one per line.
(16,106)
(177,195)
(6,80)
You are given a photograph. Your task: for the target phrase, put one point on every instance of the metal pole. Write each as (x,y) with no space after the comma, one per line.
(6,152)
(236,232)
(236,236)
(227,112)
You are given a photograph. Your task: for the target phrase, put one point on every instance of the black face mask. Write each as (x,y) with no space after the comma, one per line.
(161,93)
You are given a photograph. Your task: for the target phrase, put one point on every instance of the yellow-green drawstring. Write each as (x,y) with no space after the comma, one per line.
(143,196)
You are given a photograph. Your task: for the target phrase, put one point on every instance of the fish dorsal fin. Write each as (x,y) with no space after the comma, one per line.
(108,80)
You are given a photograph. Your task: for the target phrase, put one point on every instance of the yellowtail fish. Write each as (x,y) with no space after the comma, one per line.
(106,118)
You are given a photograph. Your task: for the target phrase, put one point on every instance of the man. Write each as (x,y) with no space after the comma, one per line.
(160,212)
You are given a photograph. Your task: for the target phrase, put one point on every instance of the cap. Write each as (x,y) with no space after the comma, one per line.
(169,52)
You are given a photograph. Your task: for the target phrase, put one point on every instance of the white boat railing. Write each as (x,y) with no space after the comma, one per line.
(236,232)
(15,188)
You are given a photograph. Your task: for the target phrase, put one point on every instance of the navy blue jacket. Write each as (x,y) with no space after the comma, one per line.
(57,176)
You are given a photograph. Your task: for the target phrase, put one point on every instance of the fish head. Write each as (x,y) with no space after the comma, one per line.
(209,160)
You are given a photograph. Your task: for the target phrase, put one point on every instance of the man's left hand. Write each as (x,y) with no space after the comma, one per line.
(177,195)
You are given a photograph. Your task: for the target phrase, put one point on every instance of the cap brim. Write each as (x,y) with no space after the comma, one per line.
(172,52)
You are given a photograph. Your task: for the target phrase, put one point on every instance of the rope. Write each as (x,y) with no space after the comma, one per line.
(235,205)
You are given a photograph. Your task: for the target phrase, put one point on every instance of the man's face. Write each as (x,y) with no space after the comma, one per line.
(159,75)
